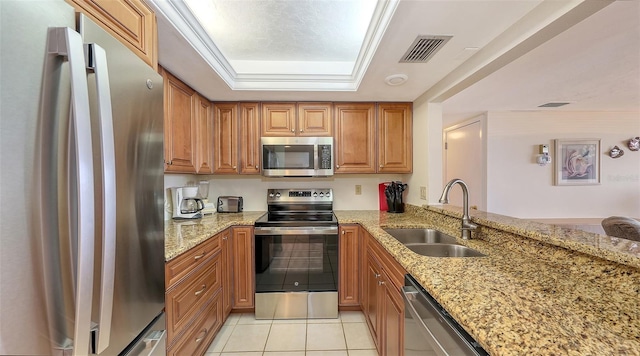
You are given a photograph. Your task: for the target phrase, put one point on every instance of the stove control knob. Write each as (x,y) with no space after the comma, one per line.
(327,194)
(278,195)
(321,194)
(315,194)
(271,195)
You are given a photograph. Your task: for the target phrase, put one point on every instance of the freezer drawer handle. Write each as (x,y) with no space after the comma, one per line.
(204,286)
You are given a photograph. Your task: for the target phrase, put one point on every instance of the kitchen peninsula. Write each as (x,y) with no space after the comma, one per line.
(540,289)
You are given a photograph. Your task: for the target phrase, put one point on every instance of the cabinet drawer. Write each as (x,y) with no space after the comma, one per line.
(198,337)
(179,267)
(185,301)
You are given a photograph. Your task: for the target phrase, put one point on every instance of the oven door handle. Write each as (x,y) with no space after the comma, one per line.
(296,230)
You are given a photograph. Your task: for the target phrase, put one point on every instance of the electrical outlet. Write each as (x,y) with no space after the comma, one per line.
(423,193)
(358,189)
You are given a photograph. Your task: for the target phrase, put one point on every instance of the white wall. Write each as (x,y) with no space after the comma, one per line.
(517,186)
(427,153)
(253,189)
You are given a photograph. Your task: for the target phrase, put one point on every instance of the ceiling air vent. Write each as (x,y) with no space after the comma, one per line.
(554,104)
(423,48)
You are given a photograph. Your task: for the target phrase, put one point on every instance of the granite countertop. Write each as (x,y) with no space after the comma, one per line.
(524,297)
(181,235)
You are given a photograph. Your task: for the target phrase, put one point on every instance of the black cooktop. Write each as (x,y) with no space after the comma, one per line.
(297,219)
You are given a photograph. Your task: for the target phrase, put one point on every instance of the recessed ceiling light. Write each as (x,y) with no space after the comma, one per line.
(396,79)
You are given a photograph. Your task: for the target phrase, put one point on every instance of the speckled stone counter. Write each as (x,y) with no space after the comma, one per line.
(533,294)
(181,235)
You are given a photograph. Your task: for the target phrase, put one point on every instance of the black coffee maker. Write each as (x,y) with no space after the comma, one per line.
(393,192)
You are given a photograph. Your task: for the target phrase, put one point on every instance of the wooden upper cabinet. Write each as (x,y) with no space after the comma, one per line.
(225,128)
(278,119)
(355,138)
(314,119)
(296,119)
(204,120)
(179,126)
(249,138)
(130,21)
(395,145)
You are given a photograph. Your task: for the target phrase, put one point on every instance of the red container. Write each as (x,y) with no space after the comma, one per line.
(381,197)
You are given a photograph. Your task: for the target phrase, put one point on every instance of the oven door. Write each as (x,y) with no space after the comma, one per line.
(294,259)
(296,272)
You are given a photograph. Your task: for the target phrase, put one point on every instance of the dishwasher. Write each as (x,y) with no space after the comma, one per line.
(429,329)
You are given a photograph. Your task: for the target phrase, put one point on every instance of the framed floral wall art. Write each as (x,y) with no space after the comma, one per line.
(577,162)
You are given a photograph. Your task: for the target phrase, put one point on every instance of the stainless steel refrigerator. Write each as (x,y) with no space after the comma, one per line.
(81,187)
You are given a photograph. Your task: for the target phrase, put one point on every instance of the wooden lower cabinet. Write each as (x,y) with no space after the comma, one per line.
(382,304)
(371,307)
(194,299)
(227,272)
(242,242)
(392,323)
(349,265)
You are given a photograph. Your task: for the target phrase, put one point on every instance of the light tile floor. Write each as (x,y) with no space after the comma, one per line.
(243,335)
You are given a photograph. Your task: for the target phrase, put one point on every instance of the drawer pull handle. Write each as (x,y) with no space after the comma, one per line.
(205,332)
(376,275)
(380,283)
(200,256)
(204,286)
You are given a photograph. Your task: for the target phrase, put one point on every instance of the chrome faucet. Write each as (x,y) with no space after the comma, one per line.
(467,225)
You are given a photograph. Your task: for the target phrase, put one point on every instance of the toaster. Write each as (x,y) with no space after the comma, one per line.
(229,204)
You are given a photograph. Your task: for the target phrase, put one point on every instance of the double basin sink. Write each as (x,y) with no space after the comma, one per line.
(432,243)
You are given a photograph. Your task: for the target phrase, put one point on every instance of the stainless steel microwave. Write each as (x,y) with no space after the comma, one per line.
(297,156)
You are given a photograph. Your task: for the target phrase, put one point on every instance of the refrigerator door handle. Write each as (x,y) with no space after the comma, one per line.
(65,42)
(96,60)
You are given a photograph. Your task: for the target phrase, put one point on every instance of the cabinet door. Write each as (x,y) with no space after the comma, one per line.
(225,128)
(249,138)
(204,119)
(394,138)
(242,241)
(179,126)
(227,272)
(132,22)
(355,138)
(278,119)
(372,306)
(348,291)
(392,319)
(314,119)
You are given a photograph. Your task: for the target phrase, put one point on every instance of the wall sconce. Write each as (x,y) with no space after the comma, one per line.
(543,157)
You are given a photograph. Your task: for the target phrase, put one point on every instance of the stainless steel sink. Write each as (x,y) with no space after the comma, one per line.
(432,243)
(443,250)
(425,236)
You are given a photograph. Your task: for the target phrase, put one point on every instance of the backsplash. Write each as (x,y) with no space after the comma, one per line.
(253,189)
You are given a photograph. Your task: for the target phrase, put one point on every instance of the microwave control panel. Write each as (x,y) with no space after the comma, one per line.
(324,151)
